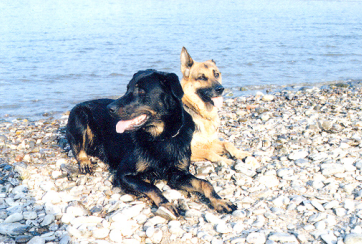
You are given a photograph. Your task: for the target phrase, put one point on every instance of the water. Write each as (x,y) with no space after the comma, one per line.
(54,54)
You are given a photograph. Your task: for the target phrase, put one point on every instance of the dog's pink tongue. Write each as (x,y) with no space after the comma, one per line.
(217,101)
(124,125)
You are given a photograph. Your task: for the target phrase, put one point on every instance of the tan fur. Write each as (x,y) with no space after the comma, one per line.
(205,143)
(83,159)
(156,129)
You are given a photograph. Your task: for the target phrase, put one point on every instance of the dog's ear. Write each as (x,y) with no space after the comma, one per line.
(172,83)
(186,62)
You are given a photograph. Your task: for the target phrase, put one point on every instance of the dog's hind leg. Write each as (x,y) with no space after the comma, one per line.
(183,180)
(211,153)
(80,137)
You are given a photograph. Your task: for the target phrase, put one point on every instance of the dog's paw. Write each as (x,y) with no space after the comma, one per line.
(225,162)
(223,206)
(168,211)
(242,154)
(85,168)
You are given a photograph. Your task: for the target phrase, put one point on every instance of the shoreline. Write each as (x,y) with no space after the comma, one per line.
(230,92)
(302,185)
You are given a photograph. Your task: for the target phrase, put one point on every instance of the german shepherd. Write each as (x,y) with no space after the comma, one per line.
(202,85)
(144,136)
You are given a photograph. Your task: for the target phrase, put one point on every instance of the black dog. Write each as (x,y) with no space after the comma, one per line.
(145,136)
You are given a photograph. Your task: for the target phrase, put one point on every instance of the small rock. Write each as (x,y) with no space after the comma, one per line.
(15,217)
(331,204)
(172,195)
(37,240)
(268,98)
(116,236)
(48,219)
(222,228)
(283,238)
(22,239)
(211,218)
(100,233)
(340,212)
(13,229)
(353,239)
(298,155)
(329,238)
(52,197)
(157,236)
(252,162)
(317,205)
(329,169)
(256,238)
(192,213)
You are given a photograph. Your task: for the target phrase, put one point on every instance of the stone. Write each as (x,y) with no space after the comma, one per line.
(298,155)
(211,218)
(191,213)
(285,173)
(329,238)
(317,205)
(48,219)
(340,212)
(37,240)
(269,180)
(222,228)
(15,217)
(65,239)
(256,238)
(252,162)
(22,239)
(100,233)
(116,236)
(52,197)
(268,98)
(157,236)
(331,204)
(283,238)
(172,195)
(13,229)
(353,239)
(329,169)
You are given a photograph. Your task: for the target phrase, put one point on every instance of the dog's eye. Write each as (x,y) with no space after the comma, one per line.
(141,92)
(216,75)
(202,77)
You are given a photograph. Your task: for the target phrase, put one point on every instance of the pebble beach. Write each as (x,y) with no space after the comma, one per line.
(302,184)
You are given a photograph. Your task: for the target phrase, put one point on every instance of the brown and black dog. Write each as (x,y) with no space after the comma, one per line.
(202,85)
(144,136)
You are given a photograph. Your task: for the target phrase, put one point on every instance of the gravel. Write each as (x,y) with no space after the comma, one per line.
(302,183)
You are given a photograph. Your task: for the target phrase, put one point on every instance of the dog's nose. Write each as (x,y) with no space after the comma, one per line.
(112,109)
(219,89)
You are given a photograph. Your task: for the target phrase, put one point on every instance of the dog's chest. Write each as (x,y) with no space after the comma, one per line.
(205,130)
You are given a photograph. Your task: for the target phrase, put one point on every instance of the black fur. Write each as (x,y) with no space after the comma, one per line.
(156,148)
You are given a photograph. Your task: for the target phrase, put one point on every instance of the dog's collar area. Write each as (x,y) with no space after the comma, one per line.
(178,131)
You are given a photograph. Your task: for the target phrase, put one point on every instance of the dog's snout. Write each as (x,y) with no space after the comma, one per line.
(113,109)
(219,89)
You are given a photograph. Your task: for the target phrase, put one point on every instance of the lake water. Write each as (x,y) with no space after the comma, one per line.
(54,54)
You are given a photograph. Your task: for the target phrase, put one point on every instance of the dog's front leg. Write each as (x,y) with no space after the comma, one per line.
(183,180)
(134,184)
(234,152)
